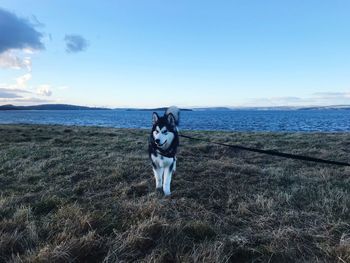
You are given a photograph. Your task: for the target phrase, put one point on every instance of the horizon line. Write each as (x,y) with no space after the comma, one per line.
(190,107)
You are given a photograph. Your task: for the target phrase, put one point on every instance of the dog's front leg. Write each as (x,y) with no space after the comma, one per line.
(168,173)
(158,176)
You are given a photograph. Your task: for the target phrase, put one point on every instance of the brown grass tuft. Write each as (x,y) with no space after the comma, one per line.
(86,194)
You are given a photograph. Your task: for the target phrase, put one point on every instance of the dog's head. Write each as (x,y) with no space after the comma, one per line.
(163,130)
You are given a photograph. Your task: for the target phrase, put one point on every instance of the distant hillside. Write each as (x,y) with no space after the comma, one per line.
(49,107)
(332,107)
(276,108)
(76,107)
(212,109)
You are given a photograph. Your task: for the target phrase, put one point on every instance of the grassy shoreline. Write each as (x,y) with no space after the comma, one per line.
(87,193)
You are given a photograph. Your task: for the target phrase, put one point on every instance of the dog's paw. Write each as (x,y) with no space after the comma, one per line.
(159,191)
(167,195)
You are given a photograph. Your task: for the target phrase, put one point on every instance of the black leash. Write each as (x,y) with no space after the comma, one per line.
(269,152)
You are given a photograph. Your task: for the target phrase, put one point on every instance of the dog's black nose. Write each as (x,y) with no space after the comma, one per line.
(157,141)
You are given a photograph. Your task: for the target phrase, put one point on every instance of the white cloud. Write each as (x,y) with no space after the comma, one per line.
(28,51)
(17,33)
(8,94)
(21,82)
(20,85)
(44,90)
(12,59)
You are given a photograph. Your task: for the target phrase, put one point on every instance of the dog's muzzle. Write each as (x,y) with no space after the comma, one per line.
(158,143)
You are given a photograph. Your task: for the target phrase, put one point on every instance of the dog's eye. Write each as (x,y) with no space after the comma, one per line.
(156,131)
(165,132)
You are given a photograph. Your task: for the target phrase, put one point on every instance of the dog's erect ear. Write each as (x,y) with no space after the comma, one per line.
(155,118)
(171,120)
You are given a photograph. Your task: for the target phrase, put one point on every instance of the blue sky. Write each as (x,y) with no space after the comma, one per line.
(187,53)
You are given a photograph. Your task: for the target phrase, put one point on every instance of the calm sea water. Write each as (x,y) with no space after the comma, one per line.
(242,120)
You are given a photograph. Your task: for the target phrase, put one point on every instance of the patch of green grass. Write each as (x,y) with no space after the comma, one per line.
(86,194)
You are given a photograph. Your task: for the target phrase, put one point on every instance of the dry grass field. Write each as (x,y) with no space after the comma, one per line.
(86,194)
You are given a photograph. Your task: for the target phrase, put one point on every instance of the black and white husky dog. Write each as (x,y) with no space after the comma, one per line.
(163,143)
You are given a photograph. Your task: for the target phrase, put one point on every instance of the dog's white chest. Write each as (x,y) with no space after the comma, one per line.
(162,161)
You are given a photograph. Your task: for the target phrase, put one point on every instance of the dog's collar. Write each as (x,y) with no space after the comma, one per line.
(168,153)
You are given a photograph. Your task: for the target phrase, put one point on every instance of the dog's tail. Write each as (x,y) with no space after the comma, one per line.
(175,112)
